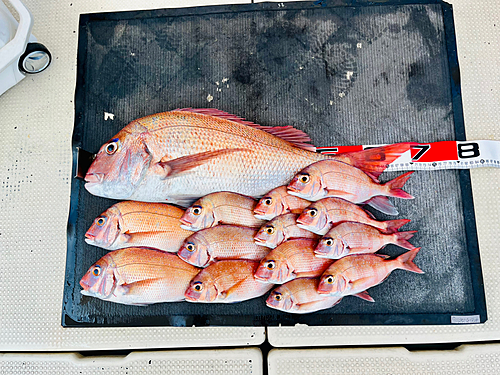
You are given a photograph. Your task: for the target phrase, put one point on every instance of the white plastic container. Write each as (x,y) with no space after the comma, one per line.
(19,52)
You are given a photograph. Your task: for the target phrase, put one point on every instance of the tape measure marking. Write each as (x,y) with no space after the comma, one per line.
(437,155)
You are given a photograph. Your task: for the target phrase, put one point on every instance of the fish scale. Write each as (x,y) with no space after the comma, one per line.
(147,221)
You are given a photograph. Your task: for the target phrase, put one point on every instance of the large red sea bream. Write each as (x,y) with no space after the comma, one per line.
(181,155)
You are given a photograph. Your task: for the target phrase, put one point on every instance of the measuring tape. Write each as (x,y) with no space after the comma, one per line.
(437,155)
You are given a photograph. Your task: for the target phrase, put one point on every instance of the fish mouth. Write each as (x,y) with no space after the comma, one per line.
(185,222)
(259,240)
(261,279)
(256,211)
(262,215)
(94,178)
(190,298)
(301,222)
(90,241)
(85,287)
(188,227)
(292,189)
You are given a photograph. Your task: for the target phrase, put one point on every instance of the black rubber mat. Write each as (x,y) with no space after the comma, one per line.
(346,73)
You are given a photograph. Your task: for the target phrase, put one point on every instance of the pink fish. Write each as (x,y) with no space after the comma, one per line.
(226,281)
(221,208)
(278,202)
(356,273)
(131,224)
(355,238)
(292,259)
(281,229)
(322,215)
(300,296)
(138,276)
(181,155)
(331,178)
(221,242)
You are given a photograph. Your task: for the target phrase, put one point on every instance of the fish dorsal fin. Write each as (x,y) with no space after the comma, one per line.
(287,133)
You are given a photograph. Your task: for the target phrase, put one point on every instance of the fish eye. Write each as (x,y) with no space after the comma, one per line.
(268,201)
(270,230)
(313,212)
(198,286)
(190,246)
(197,210)
(329,279)
(100,221)
(277,296)
(111,147)
(304,178)
(96,271)
(270,265)
(329,242)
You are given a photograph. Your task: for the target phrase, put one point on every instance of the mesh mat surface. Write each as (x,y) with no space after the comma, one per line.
(344,75)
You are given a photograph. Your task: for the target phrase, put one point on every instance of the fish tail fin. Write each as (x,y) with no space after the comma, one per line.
(392,226)
(383,204)
(406,261)
(375,160)
(401,239)
(394,186)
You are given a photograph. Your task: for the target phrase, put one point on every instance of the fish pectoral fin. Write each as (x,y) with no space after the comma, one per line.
(340,194)
(364,295)
(236,288)
(317,305)
(183,164)
(136,288)
(364,283)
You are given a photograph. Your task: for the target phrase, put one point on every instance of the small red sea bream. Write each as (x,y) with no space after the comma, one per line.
(356,273)
(331,178)
(278,202)
(226,281)
(280,229)
(292,259)
(355,238)
(138,276)
(221,242)
(182,155)
(135,224)
(221,208)
(322,215)
(300,296)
